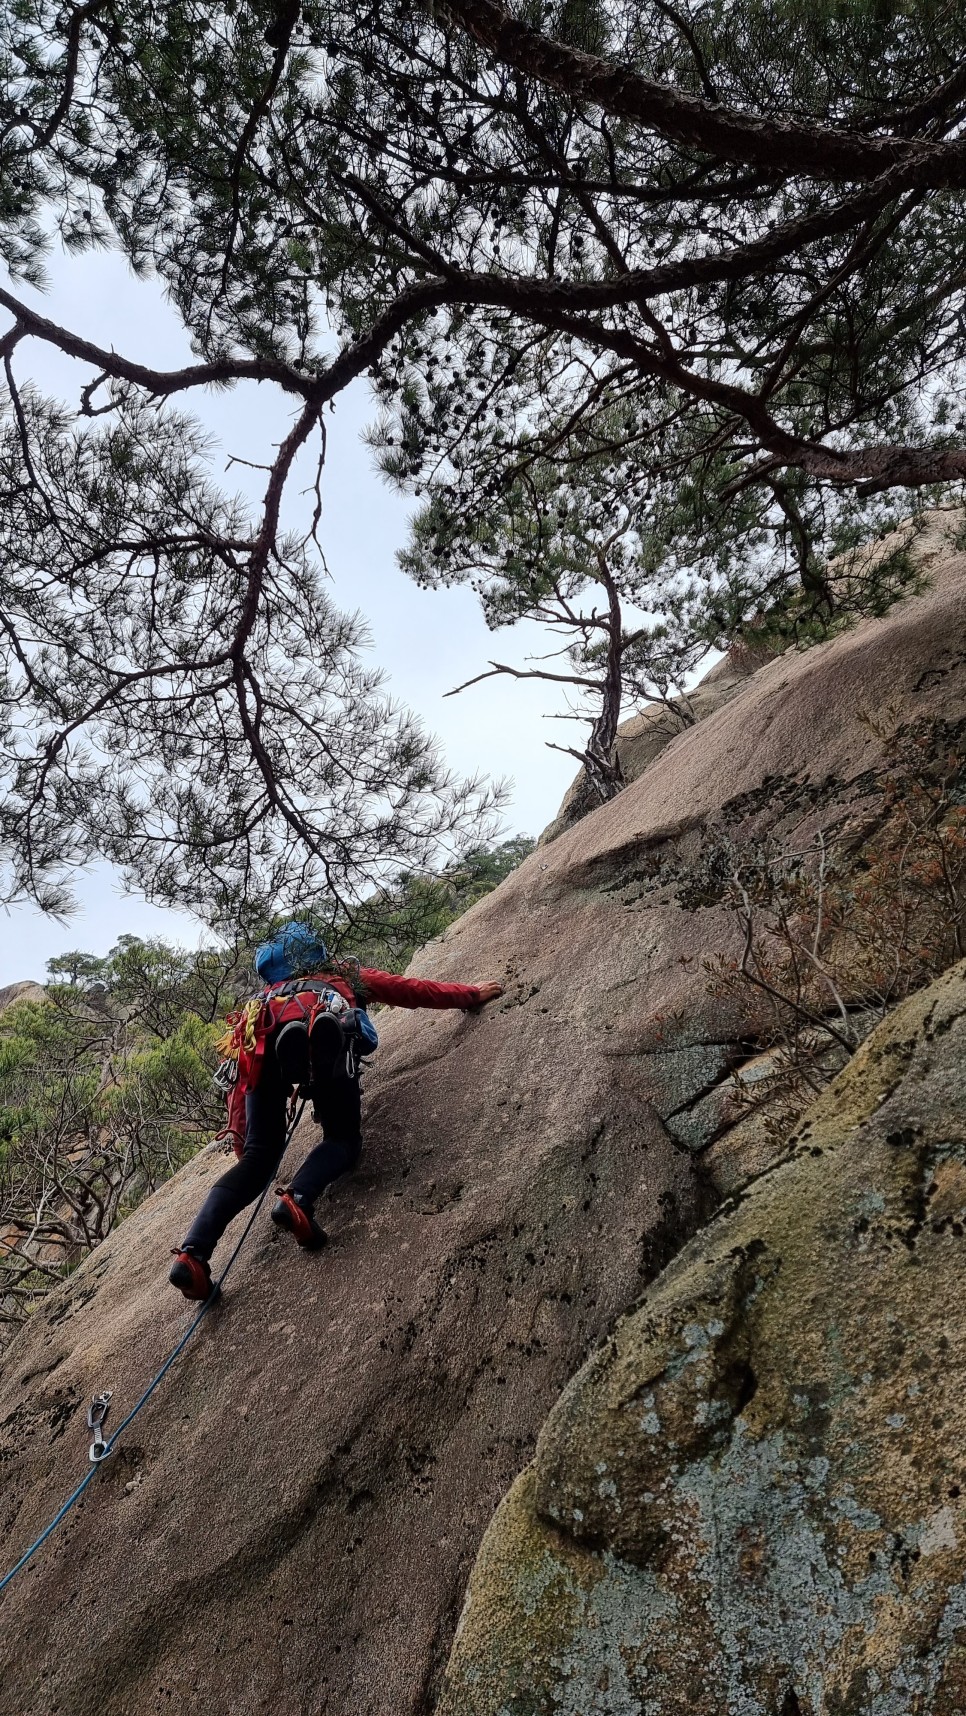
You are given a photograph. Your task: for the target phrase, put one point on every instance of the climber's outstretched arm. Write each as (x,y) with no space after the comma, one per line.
(422,992)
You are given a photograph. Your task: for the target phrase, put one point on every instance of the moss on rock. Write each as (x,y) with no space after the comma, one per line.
(751,1497)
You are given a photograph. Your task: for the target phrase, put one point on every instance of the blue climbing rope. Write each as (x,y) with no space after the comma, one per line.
(106,1447)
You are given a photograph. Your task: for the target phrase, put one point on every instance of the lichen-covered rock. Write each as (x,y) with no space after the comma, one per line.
(751,1498)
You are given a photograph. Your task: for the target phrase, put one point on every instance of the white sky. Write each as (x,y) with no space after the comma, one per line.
(427,641)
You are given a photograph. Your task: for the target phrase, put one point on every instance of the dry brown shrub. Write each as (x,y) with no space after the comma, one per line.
(834,936)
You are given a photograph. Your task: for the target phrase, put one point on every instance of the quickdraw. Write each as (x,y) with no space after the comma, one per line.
(96,1414)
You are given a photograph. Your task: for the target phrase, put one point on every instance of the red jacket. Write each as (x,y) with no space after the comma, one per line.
(402,991)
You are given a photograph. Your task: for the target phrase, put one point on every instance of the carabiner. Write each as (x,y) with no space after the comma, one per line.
(225,1076)
(96,1414)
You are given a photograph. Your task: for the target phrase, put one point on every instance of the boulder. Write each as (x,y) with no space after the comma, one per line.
(291,1520)
(752,1497)
(23,991)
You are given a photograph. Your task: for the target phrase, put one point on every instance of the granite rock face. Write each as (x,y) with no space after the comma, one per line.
(291,1521)
(751,1497)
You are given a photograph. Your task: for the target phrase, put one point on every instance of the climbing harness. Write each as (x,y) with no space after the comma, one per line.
(100,1404)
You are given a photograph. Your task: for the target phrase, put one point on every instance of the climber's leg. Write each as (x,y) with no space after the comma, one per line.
(264,1143)
(338,1107)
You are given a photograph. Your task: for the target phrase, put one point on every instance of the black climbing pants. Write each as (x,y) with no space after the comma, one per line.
(337,1105)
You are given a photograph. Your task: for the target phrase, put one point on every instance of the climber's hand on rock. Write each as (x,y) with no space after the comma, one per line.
(488,992)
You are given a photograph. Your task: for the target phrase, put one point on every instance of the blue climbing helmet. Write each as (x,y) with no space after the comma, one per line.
(294,952)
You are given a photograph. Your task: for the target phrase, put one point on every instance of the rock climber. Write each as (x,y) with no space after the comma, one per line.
(307,1029)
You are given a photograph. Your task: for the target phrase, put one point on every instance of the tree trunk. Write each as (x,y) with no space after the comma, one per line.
(601,759)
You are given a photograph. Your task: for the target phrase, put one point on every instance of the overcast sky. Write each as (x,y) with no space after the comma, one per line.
(427,641)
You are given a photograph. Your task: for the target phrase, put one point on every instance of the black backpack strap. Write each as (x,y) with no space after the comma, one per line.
(300,986)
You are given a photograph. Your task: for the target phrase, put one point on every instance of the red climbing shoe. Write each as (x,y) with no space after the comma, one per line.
(191,1275)
(297,1219)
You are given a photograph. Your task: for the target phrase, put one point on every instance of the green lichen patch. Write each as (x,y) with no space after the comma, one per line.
(751,1497)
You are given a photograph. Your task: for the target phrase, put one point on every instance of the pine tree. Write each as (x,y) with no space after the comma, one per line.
(692,269)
